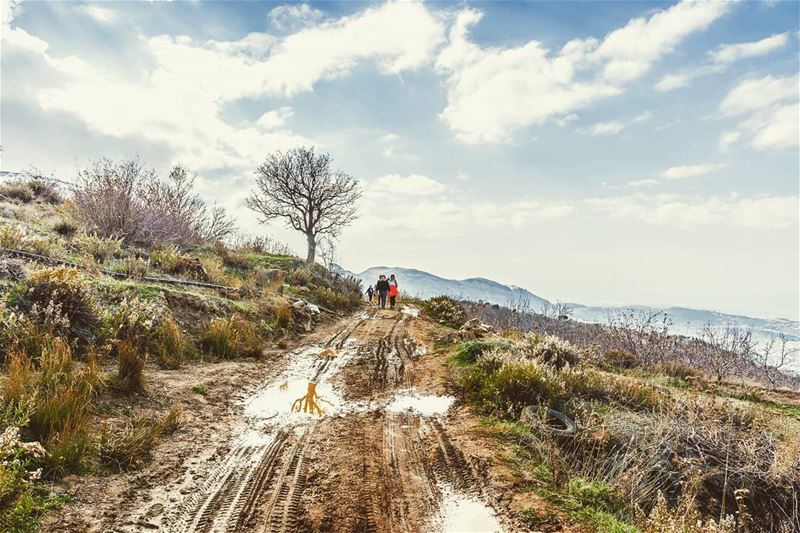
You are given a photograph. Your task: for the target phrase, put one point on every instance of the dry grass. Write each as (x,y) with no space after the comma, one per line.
(130,368)
(171,346)
(130,444)
(228,338)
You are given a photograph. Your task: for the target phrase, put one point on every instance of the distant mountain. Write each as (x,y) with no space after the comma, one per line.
(424,285)
(684,321)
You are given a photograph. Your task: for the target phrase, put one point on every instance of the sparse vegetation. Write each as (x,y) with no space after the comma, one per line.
(228,338)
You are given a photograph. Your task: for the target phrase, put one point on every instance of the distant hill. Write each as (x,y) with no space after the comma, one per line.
(424,285)
(684,321)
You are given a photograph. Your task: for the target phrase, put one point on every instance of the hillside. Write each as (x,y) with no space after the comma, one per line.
(684,321)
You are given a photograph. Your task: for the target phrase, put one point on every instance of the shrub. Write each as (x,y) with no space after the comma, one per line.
(127,200)
(552,351)
(17,190)
(135,267)
(65,228)
(58,298)
(445,310)
(11,269)
(284,317)
(57,397)
(330,299)
(171,347)
(130,368)
(99,248)
(231,337)
(130,445)
(300,276)
(134,320)
(503,389)
(469,351)
(11,236)
(44,191)
(616,359)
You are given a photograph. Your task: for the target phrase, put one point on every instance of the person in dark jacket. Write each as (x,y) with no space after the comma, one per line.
(383,289)
(370,292)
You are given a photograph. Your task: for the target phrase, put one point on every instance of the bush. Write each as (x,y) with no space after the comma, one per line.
(227,338)
(17,191)
(503,389)
(11,236)
(469,351)
(126,200)
(444,310)
(57,397)
(131,445)
(44,191)
(134,320)
(171,347)
(65,228)
(130,368)
(134,267)
(619,359)
(99,248)
(59,299)
(551,350)
(284,317)
(330,299)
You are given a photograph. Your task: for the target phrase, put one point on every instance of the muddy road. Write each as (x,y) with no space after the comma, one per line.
(381,456)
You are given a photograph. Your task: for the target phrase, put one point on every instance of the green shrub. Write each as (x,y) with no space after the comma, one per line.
(99,248)
(136,267)
(331,299)
(59,299)
(444,310)
(503,389)
(11,236)
(469,351)
(551,350)
(227,338)
(300,276)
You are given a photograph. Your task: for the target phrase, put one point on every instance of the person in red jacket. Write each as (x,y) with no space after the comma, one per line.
(393,291)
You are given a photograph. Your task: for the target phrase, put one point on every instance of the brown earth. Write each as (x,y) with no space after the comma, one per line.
(361,467)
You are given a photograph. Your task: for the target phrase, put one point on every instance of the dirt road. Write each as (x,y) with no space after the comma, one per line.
(380,458)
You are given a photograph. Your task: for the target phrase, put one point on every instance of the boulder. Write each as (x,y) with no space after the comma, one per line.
(474,329)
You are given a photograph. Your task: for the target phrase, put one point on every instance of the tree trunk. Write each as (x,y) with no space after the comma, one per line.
(312,248)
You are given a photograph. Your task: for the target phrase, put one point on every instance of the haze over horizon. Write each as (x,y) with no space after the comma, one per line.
(604,153)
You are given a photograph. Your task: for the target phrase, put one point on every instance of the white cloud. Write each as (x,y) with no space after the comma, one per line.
(643,116)
(412,185)
(771,104)
(178,102)
(631,49)
(603,128)
(649,182)
(274,118)
(728,53)
(100,14)
(691,171)
(758,93)
(493,92)
(388,151)
(764,212)
(669,82)
(292,16)
(729,138)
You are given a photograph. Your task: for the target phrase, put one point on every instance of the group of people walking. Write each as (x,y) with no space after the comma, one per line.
(383,289)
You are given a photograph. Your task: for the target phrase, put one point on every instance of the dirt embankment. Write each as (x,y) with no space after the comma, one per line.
(390,453)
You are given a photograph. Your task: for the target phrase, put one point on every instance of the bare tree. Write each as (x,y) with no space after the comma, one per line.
(771,358)
(327,245)
(302,187)
(725,350)
(557,310)
(644,333)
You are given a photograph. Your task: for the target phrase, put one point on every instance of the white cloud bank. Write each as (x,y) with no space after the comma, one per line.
(493,92)
(770,105)
(691,171)
(178,103)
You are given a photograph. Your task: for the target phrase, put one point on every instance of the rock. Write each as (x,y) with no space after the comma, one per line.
(474,329)
(35,449)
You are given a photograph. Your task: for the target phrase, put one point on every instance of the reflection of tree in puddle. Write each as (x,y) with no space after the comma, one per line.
(310,402)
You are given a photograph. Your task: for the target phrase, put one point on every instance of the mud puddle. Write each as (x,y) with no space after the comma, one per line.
(460,513)
(422,404)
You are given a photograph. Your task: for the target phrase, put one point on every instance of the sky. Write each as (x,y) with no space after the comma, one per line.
(606,153)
